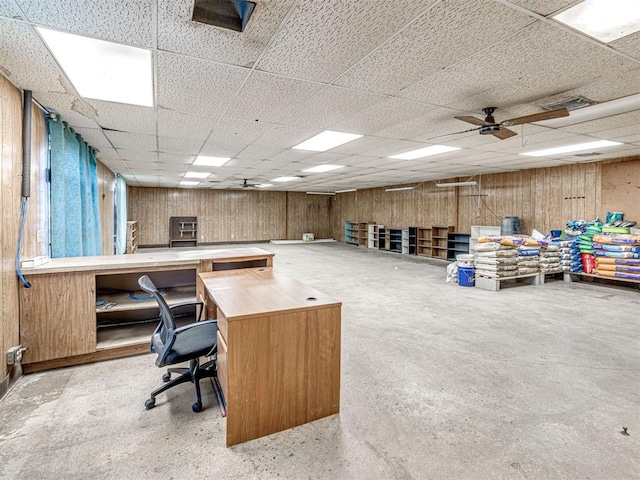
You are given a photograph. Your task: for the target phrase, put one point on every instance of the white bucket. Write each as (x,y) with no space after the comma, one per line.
(308,237)
(464,260)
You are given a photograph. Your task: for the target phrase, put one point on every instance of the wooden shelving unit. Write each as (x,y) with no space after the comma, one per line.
(373,236)
(457,244)
(183,231)
(351,233)
(423,239)
(132,236)
(439,239)
(395,240)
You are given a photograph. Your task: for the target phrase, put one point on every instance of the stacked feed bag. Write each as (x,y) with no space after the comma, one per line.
(495,261)
(570,260)
(617,255)
(528,260)
(550,259)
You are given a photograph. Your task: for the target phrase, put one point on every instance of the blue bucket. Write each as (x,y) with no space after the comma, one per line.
(466,277)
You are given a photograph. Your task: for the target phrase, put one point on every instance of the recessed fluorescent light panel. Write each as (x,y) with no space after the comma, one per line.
(196,174)
(424,152)
(578,147)
(606,21)
(323,168)
(284,179)
(456,184)
(398,189)
(188,183)
(326,141)
(211,161)
(320,193)
(103,70)
(346,191)
(264,185)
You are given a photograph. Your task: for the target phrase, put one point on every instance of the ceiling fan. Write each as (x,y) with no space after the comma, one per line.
(489,126)
(246,184)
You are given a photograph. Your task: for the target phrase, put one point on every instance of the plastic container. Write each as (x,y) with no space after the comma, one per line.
(466,277)
(464,260)
(510,226)
(556,233)
(308,237)
(588,263)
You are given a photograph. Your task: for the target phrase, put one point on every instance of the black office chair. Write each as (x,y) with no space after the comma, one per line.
(176,345)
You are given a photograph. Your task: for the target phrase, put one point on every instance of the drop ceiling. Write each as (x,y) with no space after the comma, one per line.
(395,72)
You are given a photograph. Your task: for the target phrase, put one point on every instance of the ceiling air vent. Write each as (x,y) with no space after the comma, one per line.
(230,14)
(573,103)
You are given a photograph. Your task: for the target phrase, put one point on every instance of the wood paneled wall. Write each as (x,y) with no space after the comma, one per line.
(543,198)
(10,199)
(621,188)
(107,187)
(229,215)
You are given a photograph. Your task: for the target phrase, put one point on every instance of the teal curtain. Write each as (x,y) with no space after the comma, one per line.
(75,211)
(121,215)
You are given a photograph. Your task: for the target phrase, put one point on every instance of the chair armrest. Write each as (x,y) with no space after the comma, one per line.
(197,303)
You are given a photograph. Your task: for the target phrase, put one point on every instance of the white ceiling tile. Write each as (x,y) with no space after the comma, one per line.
(213,149)
(94,137)
(124,21)
(178,33)
(190,146)
(175,158)
(190,85)
(258,152)
(132,141)
(285,136)
(608,123)
(330,106)
(455,30)
(115,165)
(176,124)
(545,7)
(138,156)
(75,112)
(382,115)
(8,9)
(142,167)
(236,130)
(25,61)
(123,117)
(105,154)
(268,98)
(319,42)
(629,45)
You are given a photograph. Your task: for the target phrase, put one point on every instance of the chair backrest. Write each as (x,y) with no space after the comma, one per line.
(166,317)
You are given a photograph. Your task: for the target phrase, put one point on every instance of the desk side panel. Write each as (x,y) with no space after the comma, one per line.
(323,360)
(58,316)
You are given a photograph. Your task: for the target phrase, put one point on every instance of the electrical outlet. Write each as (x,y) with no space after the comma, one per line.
(39,236)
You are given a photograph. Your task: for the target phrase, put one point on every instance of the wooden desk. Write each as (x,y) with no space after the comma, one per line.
(61,325)
(278,351)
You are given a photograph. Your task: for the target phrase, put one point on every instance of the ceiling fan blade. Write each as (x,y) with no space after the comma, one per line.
(473,120)
(504,133)
(536,117)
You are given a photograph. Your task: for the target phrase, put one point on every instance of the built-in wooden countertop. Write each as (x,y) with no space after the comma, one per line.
(254,292)
(153,259)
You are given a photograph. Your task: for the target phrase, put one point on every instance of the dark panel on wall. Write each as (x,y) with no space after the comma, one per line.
(621,189)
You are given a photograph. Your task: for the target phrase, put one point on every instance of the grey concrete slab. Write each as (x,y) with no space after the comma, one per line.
(438,381)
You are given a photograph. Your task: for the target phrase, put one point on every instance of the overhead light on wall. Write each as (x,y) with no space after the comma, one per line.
(456,184)
(326,140)
(398,189)
(347,190)
(577,147)
(103,70)
(320,193)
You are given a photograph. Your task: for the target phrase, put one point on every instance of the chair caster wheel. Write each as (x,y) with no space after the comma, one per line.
(149,404)
(166,377)
(196,407)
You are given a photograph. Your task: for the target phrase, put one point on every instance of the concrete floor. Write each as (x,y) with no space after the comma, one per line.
(438,382)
